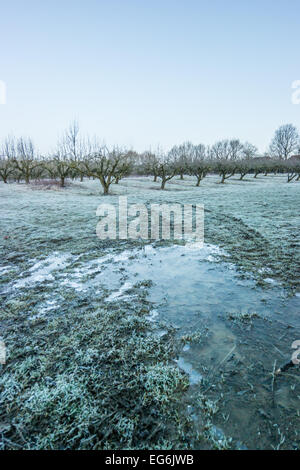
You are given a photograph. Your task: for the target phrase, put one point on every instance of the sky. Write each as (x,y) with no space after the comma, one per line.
(143,73)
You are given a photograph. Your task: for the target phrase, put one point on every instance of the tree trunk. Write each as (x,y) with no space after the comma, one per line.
(291,177)
(105,190)
(163,184)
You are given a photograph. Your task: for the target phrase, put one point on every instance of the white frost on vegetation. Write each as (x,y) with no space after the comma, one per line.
(118,294)
(153,315)
(43,270)
(5,269)
(46,307)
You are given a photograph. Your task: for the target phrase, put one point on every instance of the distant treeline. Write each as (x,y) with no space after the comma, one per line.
(76,157)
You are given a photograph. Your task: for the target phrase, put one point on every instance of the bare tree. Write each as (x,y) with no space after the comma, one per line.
(285,142)
(69,149)
(72,141)
(220,150)
(6,168)
(243,167)
(198,164)
(261,165)
(166,170)
(151,164)
(6,161)
(75,148)
(249,151)
(226,168)
(60,166)
(235,149)
(199,168)
(181,154)
(125,166)
(292,166)
(104,165)
(244,164)
(25,159)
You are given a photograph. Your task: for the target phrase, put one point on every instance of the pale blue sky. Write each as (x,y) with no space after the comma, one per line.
(148,72)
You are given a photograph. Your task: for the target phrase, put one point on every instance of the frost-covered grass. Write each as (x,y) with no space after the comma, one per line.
(86,365)
(91,380)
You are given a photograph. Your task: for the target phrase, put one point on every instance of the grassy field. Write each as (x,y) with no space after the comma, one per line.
(95,359)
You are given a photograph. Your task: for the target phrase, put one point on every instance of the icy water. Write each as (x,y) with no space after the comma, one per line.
(235,333)
(242,334)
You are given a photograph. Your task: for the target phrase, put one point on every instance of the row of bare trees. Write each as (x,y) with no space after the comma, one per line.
(202,163)
(108,166)
(76,157)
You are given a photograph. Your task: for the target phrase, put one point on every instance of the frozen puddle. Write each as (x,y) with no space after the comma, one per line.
(153,316)
(43,270)
(118,294)
(74,285)
(5,269)
(192,282)
(186,282)
(194,376)
(94,274)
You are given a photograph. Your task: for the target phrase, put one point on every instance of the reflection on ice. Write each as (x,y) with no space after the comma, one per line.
(194,376)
